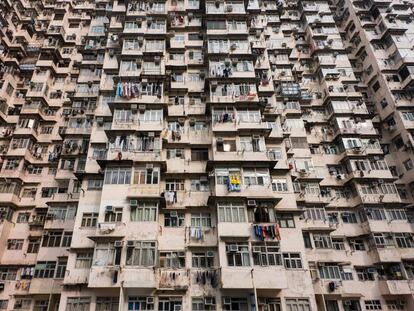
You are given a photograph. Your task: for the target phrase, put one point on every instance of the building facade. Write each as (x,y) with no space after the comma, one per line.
(206,155)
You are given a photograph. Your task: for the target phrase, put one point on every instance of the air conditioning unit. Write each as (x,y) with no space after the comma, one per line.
(209,301)
(173,214)
(177,307)
(210,254)
(226,300)
(109,209)
(142,107)
(371,270)
(150,300)
(130,243)
(100,121)
(219,140)
(181,120)
(192,121)
(233,248)
(251,203)
(118,244)
(133,202)
(149,166)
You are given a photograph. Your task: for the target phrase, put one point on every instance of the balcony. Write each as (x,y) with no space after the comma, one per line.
(263,278)
(76,277)
(45,286)
(231,229)
(137,125)
(394,287)
(253,191)
(169,279)
(133,154)
(144,191)
(138,277)
(209,237)
(103,277)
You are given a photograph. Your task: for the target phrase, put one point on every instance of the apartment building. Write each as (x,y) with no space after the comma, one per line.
(243,155)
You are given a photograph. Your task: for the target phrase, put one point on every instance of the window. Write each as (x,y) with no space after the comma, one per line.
(62,213)
(404,240)
(357,244)
(147,176)
(393,305)
(104,254)
(114,216)
(200,303)
(78,304)
(67,239)
(396,214)
(107,304)
(202,259)
(376,214)
(408,164)
(41,305)
(84,260)
(232,212)
(169,304)
(279,185)
(315,213)
(258,177)
(175,153)
(172,259)
(293,304)
(144,211)
(3,304)
(349,218)
(141,253)
(322,241)
(174,219)
(89,220)
(234,304)
(140,303)
(199,154)
(95,184)
(372,305)
(45,269)
(292,261)
(338,244)
(52,238)
(200,185)
(266,254)
(117,176)
(33,246)
(329,272)
(237,254)
(307,240)
(8,274)
(15,244)
(22,304)
(285,220)
(365,273)
(61,268)
(174,185)
(201,220)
